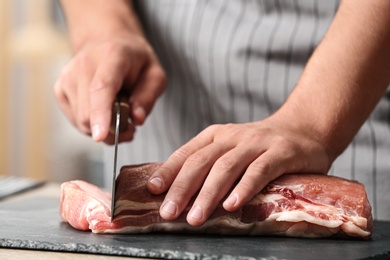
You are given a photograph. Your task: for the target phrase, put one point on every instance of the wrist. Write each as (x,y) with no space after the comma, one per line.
(307,124)
(93,21)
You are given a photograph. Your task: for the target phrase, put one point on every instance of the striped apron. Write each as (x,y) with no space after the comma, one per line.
(237,61)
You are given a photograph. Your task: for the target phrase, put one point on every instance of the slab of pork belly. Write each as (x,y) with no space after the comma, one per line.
(297,205)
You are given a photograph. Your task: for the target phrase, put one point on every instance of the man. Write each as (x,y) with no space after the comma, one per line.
(231,68)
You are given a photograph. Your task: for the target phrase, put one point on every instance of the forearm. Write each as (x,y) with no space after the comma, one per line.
(346,75)
(96,19)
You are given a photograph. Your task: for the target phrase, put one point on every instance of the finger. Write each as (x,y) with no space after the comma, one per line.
(147,89)
(225,172)
(189,180)
(106,83)
(62,99)
(163,177)
(84,78)
(83,114)
(259,173)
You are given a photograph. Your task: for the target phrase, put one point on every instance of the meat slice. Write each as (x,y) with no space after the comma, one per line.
(296,205)
(84,206)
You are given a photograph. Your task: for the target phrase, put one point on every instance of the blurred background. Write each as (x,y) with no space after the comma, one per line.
(36,140)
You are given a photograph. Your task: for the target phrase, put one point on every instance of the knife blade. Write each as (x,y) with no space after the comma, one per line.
(119,121)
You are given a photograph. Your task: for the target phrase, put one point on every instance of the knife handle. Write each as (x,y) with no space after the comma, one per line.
(124,107)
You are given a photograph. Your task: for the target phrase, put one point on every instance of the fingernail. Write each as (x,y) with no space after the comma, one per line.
(157,182)
(196,212)
(232,200)
(96,132)
(170,207)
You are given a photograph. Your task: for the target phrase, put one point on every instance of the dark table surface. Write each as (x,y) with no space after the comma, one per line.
(34,223)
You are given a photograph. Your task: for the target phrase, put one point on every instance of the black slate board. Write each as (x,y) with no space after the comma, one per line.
(35,224)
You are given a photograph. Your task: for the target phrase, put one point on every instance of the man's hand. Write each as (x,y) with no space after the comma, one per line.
(245,157)
(110,55)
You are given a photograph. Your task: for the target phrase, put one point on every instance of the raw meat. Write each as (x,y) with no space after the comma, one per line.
(296,205)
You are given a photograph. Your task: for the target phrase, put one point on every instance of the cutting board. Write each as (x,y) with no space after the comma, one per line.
(35,224)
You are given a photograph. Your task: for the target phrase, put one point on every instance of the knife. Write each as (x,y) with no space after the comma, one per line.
(119,121)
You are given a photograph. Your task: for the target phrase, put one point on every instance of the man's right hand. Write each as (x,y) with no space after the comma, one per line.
(104,63)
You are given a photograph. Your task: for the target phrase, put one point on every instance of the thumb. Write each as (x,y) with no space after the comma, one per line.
(150,85)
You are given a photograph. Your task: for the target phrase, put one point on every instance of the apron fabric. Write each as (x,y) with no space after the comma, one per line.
(235,62)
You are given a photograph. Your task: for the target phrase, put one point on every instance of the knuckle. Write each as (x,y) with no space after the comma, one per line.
(111,48)
(197,159)
(178,190)
(212,129)
(158,74)
(227,131)
(255,136)
(282,141)
(105,84)
(233,129)
(261,168)
(182,153)
(117,51)
(83,61)
(225,164)
(207,195)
